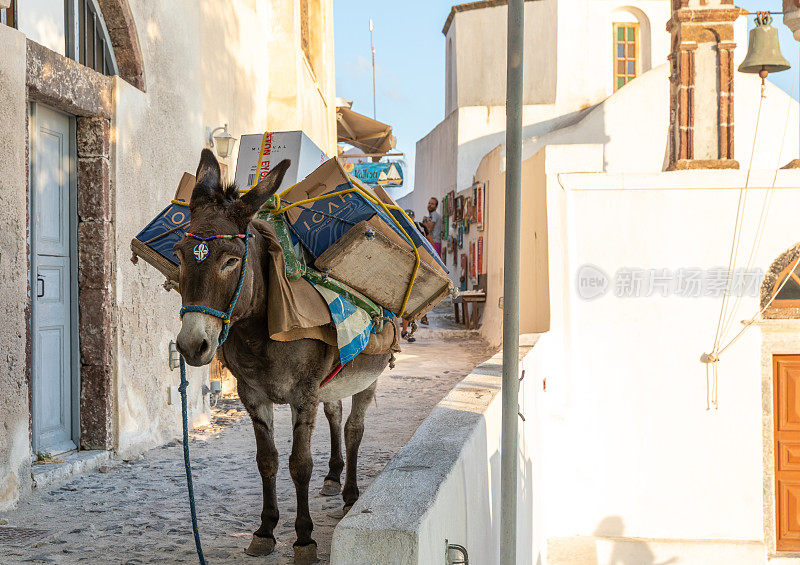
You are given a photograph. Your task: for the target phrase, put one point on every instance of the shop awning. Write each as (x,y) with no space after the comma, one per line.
(371,136)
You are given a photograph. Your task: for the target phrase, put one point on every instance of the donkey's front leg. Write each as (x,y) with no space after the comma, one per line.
(353,432)
(263,542)
(333,485)
(300,466)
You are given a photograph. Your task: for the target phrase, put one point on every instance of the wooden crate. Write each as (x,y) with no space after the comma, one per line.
(370,262)
(167,267)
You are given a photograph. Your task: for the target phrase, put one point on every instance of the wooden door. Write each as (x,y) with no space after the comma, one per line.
(786,415)
(52,276)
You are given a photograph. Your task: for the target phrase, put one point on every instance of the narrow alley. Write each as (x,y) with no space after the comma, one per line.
(137,512)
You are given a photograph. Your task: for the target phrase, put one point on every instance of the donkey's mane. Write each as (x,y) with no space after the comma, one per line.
(230,191)
(221,194)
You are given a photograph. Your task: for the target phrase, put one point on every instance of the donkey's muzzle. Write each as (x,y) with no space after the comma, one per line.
(198,338)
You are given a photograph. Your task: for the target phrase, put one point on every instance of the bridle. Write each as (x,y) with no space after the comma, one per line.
(226,315)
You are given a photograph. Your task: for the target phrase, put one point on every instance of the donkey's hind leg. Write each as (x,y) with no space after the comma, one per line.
(353,432)
(332,485)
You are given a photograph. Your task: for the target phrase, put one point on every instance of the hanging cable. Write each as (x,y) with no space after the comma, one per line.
(713,357)
(763,216)
(726,318)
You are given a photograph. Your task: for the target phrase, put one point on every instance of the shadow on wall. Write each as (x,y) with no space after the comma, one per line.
(625,551)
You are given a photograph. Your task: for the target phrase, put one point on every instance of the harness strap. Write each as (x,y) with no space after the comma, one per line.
(327,379)
(226,315)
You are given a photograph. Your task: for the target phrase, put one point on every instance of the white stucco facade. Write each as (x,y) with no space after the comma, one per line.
(627,458)
(567,68)
(200,67)
(623,457)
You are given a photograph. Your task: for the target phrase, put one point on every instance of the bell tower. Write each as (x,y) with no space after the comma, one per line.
(701,84)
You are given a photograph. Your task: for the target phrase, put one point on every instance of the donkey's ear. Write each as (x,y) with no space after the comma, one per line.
(254,199)
(208,178)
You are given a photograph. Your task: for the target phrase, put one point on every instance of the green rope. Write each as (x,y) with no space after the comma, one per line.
(185,417)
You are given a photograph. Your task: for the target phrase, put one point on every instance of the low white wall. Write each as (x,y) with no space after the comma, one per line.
(444,484)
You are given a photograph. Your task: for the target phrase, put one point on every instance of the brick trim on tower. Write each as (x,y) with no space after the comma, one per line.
(690,28)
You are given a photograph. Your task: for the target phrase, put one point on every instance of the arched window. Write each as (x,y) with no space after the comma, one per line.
(94,46)
(630,30)
(73,28)
(626,53)
(7,15)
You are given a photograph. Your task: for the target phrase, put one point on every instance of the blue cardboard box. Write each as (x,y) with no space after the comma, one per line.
(154,243)
(319,224)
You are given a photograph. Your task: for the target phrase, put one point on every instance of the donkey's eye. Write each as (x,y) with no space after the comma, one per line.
(230,264)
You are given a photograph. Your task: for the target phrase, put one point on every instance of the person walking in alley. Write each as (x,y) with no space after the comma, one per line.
(433,223)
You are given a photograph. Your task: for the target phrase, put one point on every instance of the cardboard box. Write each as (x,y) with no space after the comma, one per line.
(366,259)
(154,243)
(271,148)
(321,225)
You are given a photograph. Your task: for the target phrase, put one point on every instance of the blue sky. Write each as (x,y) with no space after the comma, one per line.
(409,55)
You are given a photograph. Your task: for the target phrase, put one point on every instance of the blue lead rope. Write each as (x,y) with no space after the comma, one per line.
(226,325)
(185,417)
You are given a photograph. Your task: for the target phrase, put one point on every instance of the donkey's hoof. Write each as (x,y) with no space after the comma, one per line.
(330,488)
(346,509)
(260,546)
(305,554)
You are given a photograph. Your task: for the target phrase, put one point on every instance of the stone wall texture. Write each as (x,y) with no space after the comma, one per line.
(14,301)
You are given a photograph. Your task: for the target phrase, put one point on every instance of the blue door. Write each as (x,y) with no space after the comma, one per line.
(53,225)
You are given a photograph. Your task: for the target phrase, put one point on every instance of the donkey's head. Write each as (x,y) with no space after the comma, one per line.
(211,270)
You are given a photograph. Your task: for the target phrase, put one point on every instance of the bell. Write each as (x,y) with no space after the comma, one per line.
(763,52)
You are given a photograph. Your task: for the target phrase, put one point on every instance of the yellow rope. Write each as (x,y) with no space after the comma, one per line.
(180,203)
(386,208)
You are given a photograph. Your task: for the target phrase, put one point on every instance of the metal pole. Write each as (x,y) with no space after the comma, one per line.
(508,445)
(372,46)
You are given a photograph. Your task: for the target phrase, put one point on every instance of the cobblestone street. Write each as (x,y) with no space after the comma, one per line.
(137,512)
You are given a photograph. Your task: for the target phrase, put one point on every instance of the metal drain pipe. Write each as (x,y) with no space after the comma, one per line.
(511,260)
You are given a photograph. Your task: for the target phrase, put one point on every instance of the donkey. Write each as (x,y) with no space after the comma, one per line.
(267,371)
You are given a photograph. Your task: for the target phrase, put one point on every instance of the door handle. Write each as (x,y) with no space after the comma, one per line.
(39,289)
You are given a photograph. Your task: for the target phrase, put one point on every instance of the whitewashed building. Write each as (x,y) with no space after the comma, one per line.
(567,71)
(631,450)
(103,105)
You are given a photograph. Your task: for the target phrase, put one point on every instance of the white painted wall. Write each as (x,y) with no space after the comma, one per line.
(568,68)
(629,459)
(203,67)
(624,416)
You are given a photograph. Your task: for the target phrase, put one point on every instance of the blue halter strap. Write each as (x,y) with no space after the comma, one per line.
(226,315)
